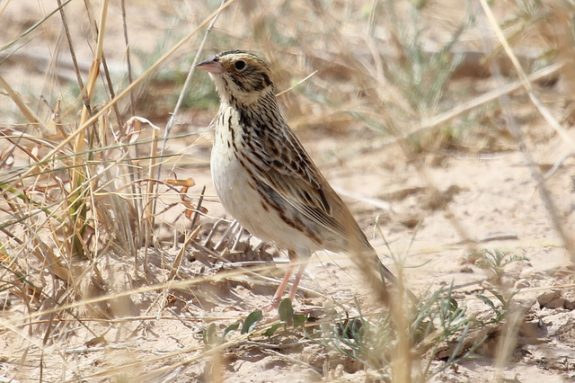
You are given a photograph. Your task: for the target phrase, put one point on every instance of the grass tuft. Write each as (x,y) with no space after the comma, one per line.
(109,243)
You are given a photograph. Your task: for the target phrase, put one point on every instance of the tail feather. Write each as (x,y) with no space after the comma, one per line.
(365,257)
(386,274)
(377,274)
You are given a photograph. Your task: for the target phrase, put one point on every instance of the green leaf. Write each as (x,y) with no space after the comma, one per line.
(453,306)
(210,335)
(251,320)
(352,328)
(487,301)
(299,320)
(232,327)
(271,331)
(285,311)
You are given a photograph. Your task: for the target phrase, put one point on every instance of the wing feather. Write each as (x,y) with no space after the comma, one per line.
(286,168)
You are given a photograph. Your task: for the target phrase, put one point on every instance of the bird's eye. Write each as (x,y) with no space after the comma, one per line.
(240,65)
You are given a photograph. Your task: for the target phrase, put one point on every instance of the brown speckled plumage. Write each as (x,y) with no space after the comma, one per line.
(265,178)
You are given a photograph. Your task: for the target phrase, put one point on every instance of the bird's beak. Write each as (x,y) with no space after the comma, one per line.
(211,66)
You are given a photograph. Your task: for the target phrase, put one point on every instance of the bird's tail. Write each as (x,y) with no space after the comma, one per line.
(375,272)
(380,278)
(387,275)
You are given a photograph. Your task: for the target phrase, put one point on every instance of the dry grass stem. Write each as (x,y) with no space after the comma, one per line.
(436,121)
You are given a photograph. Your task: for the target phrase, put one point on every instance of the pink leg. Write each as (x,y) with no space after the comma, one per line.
(295,284)
(281,288)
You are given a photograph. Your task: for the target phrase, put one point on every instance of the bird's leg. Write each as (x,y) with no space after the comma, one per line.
(281,288)
(298,276)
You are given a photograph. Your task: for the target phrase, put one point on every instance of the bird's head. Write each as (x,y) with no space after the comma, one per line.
(240,76)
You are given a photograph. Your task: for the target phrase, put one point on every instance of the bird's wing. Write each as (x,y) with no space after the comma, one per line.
(286,169)
(286,172)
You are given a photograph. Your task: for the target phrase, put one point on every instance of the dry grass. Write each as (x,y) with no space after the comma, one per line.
(103,234)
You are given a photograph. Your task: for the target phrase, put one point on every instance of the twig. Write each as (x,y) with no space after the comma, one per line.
(297,84)
(317,371)
(128,56)
(185,88)
(465,107)
(552,121)
(126,91)
(178,261)
(71,47)
(198,208)
(376,202)
(213,230)
(518,135)
(228,231)
(557,165)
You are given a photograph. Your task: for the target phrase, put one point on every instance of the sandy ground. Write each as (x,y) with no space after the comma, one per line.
(496,198)
(158,336)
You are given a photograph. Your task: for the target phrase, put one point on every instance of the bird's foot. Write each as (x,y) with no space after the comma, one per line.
(273,306)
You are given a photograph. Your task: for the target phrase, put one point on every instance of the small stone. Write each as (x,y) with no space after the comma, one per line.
(548,297)
(558,303)
(522,283)
(569,304)
(569,296)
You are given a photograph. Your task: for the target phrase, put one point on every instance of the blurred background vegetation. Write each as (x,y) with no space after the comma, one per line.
(87,90)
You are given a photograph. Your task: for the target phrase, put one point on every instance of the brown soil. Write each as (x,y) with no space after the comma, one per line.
(488,201)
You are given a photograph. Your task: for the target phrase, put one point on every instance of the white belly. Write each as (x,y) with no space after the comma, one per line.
(236,190)
(236,195)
